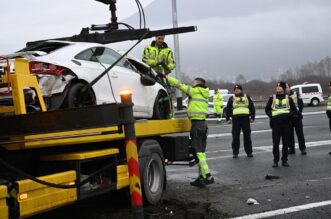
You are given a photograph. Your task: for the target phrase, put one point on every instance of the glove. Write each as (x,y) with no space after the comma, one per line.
(172,81)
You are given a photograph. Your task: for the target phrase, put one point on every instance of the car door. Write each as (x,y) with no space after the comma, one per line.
(123,76)
(88,69)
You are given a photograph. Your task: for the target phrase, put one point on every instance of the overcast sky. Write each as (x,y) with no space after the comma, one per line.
(256,38)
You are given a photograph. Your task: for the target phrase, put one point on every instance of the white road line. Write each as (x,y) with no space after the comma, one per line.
(230,150)
(266,117)
(230,134)
(308,145)
(253,132)
(285,210)
(266,149)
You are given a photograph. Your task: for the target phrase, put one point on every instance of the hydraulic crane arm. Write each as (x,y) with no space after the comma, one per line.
(112,34)
(119,35)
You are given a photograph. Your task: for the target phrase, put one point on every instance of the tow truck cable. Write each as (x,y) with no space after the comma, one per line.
(23,174)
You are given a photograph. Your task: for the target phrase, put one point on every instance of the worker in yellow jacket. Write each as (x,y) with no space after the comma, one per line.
(159,56)
(197,111)
(218,103)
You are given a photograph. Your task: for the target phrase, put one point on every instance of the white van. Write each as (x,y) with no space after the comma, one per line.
(310,93)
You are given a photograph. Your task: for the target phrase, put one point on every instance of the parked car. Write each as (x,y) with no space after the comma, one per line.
(310,93)
(64,68)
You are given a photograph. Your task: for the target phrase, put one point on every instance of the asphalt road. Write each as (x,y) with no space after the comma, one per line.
(306,181)
(302,191)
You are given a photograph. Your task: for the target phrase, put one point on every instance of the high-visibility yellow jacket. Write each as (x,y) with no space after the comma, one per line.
(218,102)
(198,99)
(328,108)
(329,103)
(154,55)
(280,107)
(240,106)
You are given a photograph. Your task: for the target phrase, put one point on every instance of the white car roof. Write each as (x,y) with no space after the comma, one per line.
(305,85)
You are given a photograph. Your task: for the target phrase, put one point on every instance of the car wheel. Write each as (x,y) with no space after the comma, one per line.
(162,108)
(77,97)
(315,102)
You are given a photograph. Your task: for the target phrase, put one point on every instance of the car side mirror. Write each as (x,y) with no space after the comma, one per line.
(147,80)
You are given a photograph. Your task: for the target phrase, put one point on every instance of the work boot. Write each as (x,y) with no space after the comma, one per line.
(250,155)
(303,152)
(209,179)
(235,156)
(285,164)
(199,182)
(275,164)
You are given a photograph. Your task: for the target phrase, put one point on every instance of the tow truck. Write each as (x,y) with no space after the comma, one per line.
(50,159)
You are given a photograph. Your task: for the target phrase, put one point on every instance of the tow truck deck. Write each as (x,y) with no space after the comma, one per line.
(44,151)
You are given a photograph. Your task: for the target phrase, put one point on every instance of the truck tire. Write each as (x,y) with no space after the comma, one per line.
(315,102)
(152,171)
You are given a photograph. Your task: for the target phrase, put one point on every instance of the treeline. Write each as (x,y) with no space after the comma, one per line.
(311,72)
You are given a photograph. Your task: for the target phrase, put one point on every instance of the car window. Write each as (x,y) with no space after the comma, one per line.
(296,90)
(310,89)
(103,55)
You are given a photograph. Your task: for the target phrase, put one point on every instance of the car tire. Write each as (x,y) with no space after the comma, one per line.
(162,108)
(75,98)
(315,102)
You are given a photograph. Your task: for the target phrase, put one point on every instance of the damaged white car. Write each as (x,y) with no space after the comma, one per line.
(65,68)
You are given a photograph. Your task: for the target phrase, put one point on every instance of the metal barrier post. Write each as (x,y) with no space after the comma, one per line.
(132,155)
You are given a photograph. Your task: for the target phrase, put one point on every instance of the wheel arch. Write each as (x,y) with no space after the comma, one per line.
(61,98)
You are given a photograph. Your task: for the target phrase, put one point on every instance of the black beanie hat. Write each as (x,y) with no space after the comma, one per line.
(282,84)
(238,86)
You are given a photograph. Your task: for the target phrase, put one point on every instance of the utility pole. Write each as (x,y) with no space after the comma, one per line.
(179,96)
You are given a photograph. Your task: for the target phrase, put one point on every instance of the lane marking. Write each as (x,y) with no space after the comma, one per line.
(285,210)
(230,150)
(252,132)
(230,134)
(266,117)
(265,149)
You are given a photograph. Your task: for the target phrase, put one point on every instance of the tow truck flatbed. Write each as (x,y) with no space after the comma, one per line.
(144,128)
